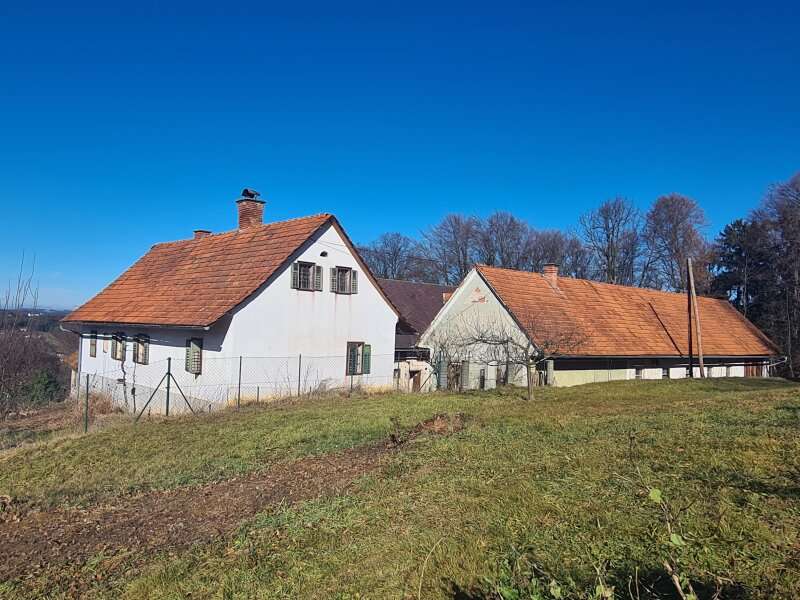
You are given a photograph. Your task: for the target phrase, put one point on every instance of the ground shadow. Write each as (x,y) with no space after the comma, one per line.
(654,585)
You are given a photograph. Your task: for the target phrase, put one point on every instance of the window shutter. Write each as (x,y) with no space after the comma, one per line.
(295,276)
(334,280)
(93,344)
(144,349)
(366,359)
(318,278)
(114,347)
(352,358)
(188,363)
(353,282)
(136,349)
(465,375)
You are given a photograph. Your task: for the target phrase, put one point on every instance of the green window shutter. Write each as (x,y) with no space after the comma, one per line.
(318,278)
(352,358)
(188,361)
(366,359)
(353,282)
(334,280)
(295,275)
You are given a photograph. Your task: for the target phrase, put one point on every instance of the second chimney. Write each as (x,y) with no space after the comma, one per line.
(251,209)
(550,273)
(201,233)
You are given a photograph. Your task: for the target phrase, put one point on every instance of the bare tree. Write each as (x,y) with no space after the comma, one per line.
(563,249)
(28,367)
(391,256)
(612,234)
(522,343)
(505,241)
(451,247)
(672,233)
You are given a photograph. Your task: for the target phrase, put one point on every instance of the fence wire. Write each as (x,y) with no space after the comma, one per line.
(166,387)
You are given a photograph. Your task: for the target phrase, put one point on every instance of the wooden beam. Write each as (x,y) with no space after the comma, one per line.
(696,318)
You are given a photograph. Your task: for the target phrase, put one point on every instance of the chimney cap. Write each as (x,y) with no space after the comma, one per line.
(249,194)
(201,233)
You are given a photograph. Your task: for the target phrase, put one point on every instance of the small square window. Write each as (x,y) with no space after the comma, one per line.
(664,373)
(359,358)
(638,372)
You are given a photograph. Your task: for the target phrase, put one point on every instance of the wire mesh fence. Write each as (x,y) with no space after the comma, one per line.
(167,387)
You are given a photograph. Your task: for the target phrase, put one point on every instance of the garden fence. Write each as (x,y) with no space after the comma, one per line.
(166,387)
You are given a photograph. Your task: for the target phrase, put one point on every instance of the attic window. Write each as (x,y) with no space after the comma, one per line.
(306,276)
(344,280)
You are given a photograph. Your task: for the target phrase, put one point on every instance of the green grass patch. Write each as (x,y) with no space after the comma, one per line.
(546,499)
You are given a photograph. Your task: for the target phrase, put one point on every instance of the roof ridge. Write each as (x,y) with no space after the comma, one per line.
(602,283)
(418,282)
(235,231)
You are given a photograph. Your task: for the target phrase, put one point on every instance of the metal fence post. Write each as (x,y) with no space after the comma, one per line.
(299,372)
(86,407)
(169,376)
(239,392)
(258,390)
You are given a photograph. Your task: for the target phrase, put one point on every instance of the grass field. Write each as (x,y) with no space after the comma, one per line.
(596,491)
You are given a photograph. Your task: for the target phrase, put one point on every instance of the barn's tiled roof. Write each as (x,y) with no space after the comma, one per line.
(195,282)
(417,303)
(615,320)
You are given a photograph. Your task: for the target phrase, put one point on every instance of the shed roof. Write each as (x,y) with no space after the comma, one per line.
(616,320)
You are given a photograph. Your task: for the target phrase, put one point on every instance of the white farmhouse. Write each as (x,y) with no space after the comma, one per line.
(580,331)
(262,311)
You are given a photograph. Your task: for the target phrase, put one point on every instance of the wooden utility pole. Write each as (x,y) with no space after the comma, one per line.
(689,318)
(693,303)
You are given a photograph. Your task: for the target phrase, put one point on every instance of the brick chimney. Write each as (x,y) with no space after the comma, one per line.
(201,233)
(251,209)
(550,273)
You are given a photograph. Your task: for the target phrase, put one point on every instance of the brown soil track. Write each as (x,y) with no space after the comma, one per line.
(174,519)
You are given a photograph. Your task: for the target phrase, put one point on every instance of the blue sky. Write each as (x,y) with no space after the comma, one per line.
(118,131)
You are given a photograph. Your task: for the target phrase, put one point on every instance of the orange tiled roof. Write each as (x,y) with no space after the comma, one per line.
(194,282)
(616,320)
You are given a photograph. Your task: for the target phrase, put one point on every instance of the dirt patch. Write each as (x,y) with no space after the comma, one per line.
(159,521)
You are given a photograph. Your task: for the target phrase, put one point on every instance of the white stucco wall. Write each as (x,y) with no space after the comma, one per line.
(271,330)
